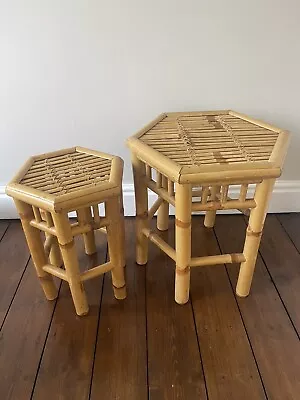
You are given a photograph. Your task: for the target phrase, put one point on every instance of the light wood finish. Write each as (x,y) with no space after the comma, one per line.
(116,246)
(156,239)
(210,216)
(183,211)
(219,259)
(68,251)
(141,205)
(155,207)
(188,147)
(204,154)
(55,257)
(163,211)
(253,236)
(36,249)
(45,190)
(67,179)
(148,346)
(85,217)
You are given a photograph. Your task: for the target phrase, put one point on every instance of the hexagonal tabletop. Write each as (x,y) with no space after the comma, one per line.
(67,178)
(191,146)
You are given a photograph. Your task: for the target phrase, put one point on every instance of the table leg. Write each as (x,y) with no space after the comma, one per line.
(116,245)
(69,255)
(141,202)
(183,213)
(253,236)
(36,249)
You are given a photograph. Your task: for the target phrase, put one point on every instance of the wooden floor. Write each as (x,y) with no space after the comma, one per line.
(217,346)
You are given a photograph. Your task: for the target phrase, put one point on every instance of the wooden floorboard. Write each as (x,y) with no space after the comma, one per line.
(291,224)
(215,347)
(14,256)
(273,339)
(229,365)
(283,263)
(3,227)
(22,338)
(120,369)
(67,363)
(174,363)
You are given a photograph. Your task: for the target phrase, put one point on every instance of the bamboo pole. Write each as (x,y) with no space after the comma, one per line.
(148,171)
(116,246)
(229,205)
(47,245)
(218,259)
(171,188)
(54,255)
(53,270)
(36,248)
(163,211)
(224,194)
(141,202)
(42,226)
(158,180)
(96,213)
(160,192)
(230,177)
(243,192)
(37,214)
(210,216)
(85,217)
(183,200)
(253,236)
(68,251)
(96,271)
(154,207)
(159,242)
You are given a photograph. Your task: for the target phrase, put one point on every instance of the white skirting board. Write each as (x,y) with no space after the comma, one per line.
(285,198)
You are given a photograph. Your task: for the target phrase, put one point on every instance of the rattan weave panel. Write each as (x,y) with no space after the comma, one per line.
(67,173)
(191,139)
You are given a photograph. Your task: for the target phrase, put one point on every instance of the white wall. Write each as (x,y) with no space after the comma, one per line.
(92,72)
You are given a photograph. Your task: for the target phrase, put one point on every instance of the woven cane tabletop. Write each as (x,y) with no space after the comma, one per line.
(67,174)
(211,141)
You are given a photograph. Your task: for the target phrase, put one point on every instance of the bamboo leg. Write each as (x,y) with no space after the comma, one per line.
(163,211)
(183,213)
(122,226)
(85,217)
(55,255)
(68,251)
(253,236)
(36,248)
(141,202)
(210,216)
(116,245)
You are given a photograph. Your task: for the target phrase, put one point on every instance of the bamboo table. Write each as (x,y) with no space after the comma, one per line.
(53,184)
(203,154)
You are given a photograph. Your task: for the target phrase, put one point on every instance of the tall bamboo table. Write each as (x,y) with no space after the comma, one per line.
(45,190)
(190,160)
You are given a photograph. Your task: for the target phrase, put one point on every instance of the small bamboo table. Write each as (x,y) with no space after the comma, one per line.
(203,153)
(53,184)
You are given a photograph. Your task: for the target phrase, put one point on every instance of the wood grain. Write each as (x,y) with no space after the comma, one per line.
(63,368)
(174,363)
(22,338)
(14,256)
(273,338)
(3,228)
(283,263)
(120,369)
(67,363)
(291,223)
(228,362)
